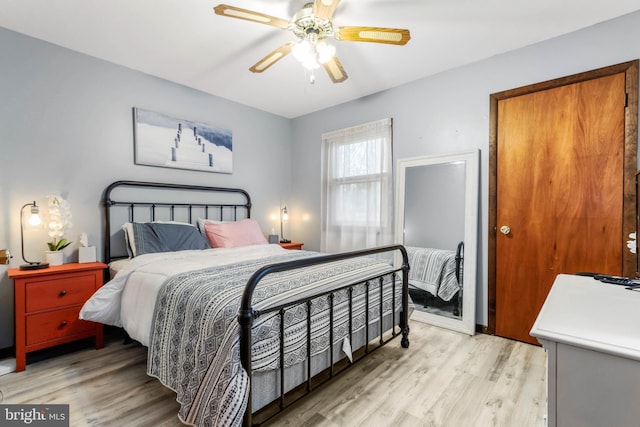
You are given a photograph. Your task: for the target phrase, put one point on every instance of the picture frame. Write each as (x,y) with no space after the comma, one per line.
(164,141)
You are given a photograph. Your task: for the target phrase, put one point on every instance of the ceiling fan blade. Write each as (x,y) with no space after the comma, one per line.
(271,58)
(373,34)
(324,9)
(250,15)
(335,70)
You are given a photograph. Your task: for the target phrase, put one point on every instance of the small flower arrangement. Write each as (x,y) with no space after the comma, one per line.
(59,222)
(631,244)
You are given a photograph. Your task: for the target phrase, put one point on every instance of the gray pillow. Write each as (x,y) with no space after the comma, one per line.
(152,237)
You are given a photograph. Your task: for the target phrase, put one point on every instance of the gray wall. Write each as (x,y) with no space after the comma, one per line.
(449,112)
(66,126)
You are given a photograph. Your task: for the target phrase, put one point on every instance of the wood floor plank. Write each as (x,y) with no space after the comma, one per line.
(445,379)
(520,391)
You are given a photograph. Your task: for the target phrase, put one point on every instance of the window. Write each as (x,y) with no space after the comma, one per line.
(357,209)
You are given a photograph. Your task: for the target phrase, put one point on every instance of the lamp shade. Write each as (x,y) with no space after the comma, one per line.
(34,221)
(284,216)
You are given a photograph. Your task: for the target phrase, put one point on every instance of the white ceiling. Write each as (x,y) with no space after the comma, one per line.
(185,42)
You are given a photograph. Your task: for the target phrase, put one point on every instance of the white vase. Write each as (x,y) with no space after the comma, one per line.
(54,257)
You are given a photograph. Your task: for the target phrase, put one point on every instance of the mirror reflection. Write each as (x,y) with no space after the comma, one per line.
(435,253)
(437,223)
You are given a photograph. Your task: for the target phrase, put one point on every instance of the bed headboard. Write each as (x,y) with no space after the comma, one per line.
(129,201)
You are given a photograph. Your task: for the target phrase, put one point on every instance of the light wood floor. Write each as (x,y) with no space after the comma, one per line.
(444,379)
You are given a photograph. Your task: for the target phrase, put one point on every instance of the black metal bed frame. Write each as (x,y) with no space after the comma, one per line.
(247,314)
(220,208)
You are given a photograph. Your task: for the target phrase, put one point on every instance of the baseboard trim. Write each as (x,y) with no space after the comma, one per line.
(482,329)
(7,352)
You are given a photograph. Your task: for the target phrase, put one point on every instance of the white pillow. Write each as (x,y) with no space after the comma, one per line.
(203,221)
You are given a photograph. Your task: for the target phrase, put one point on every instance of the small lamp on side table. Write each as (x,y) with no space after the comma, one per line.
(284,216)
(34,221)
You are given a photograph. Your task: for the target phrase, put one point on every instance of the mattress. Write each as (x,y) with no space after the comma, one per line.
(128,300)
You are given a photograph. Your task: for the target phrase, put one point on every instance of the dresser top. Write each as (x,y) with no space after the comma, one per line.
(16,273)
(587,313)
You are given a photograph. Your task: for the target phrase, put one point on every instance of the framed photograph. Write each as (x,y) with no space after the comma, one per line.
(182,144)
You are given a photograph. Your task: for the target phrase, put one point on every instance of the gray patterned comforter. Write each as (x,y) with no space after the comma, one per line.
(435,267)
(195,347)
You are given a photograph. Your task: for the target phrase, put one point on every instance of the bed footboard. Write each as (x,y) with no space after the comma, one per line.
(247,314)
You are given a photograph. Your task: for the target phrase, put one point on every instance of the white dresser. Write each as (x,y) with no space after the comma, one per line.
(591,332)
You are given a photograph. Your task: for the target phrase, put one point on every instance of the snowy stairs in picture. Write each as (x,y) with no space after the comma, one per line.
(189,149)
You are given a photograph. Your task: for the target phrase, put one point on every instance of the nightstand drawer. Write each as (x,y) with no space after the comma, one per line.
(55,325)
(59,292)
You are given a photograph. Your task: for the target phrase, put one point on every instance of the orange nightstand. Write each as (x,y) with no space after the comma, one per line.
(47,303)
(292,245)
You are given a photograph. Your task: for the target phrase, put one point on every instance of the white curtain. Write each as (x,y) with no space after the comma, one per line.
(357,193)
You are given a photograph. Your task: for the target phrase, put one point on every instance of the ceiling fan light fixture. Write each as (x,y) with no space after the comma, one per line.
(311,53)
(301,50)
(305,53)
(325,52)
(311,26)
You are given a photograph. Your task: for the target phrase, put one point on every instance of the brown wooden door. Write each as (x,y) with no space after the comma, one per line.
(560,156)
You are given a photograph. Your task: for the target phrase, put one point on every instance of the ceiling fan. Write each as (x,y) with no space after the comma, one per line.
(312,25)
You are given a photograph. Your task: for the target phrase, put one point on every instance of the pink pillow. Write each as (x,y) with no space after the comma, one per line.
(232,234)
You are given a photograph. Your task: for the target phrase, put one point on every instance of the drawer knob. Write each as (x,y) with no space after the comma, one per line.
(63,293)
(63,323)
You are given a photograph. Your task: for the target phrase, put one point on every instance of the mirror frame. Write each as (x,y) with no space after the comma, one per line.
(467,323)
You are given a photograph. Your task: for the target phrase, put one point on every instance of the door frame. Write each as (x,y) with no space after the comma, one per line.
(630,69)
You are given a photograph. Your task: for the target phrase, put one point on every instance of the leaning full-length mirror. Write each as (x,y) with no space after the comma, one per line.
(437,220)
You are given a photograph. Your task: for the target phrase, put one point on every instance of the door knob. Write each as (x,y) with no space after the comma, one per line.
(505,229)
